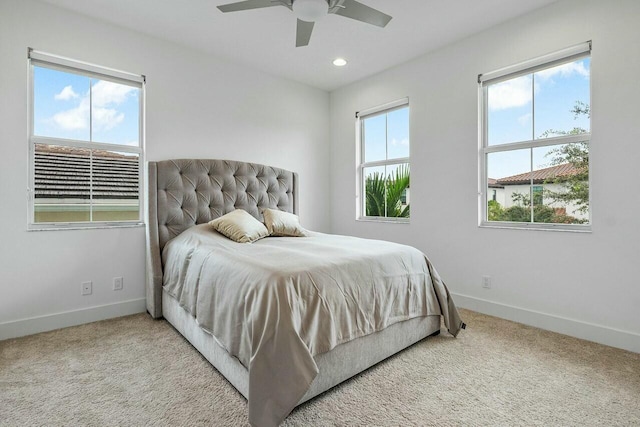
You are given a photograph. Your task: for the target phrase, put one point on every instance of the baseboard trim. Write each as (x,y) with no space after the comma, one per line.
(625,340)
(34,325)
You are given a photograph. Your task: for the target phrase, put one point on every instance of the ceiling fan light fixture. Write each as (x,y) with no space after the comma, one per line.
(310,10)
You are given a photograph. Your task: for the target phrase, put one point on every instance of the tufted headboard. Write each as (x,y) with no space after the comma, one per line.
(186,192)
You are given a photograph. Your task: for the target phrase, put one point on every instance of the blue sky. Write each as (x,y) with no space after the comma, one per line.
(523,108)
(520,109)
(61,104)
(386,136)
(61,108)
(384,132)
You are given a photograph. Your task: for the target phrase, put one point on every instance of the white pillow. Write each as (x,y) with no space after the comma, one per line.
(240,226)
(280,223)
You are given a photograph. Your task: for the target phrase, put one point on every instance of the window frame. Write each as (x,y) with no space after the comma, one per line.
(573,53)
(59,63)
(361,165)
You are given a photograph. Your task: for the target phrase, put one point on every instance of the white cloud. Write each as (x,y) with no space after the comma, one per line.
(106,118)
(517,92)
(564,70)
(105,95)
(66,94)
(404,142)
(525,119)
(511,93)
(75,118)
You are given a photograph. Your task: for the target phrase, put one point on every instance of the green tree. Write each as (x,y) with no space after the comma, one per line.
(521,212)
(375,189)
(575,187)
(384,194)
(495,211)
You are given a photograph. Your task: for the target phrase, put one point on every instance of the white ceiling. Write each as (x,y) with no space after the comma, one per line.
(265,38)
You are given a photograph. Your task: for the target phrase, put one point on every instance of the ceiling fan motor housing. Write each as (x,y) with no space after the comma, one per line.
(310,10)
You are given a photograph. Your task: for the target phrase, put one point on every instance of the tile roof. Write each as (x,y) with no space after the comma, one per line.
(493,183)
(540,175)
(66,172)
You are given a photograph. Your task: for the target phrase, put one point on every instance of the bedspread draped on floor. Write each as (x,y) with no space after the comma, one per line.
(276,303)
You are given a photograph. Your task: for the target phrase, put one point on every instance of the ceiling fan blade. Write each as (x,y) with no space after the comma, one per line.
(246,5)
(361,12)
(303,32)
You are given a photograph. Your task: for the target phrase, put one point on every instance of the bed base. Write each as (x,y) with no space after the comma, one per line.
(335,366)
(182,193)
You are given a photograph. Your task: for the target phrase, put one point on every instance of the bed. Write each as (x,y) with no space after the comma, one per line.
(285,318)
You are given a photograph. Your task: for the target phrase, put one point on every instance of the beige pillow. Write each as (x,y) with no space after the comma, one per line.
(280,223)
(240,226)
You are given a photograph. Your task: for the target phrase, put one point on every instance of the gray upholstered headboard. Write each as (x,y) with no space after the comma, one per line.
(186,192)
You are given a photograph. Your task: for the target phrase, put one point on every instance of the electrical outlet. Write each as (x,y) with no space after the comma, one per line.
(118,283)
(486,282)
(87,288)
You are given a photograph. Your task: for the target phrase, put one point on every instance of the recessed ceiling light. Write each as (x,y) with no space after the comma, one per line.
(339,62)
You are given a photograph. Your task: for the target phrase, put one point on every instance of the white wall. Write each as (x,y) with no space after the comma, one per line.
(583,284)
(197,106)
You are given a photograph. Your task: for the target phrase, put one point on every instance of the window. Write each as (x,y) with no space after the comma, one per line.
(85,143)
(383,169)
(535,135)
(537,194)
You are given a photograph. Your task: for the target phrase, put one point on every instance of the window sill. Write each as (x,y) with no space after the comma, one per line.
(384,220)
(571,228)
(70,226)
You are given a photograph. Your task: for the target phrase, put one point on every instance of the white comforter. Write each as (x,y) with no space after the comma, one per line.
(278,302)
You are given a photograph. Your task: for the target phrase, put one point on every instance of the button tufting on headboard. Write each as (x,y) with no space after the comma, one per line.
(182,193)
(197,191)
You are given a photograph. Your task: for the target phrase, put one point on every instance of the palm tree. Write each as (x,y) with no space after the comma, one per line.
(384,194)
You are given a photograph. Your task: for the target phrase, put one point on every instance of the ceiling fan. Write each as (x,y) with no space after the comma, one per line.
(309,11)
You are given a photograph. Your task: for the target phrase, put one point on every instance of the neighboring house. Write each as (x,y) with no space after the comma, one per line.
(503,189)
(496,192)
(63,190)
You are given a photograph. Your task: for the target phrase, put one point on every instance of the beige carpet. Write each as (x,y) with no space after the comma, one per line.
(137,371)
